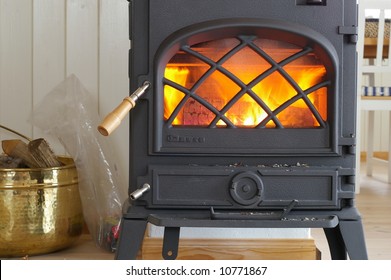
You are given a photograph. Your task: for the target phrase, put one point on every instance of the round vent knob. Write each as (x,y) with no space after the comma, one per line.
(246,188)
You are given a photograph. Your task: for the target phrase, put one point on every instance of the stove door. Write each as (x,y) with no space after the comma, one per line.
(249,86)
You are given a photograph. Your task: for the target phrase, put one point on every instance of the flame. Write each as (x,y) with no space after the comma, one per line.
(172,96)
(218,90)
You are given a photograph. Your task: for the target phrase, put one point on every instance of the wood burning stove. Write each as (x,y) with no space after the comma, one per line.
(248,119)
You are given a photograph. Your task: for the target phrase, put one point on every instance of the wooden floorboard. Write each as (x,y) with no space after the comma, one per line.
(235,249)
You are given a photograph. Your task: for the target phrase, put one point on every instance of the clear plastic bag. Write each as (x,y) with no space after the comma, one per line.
(69,113)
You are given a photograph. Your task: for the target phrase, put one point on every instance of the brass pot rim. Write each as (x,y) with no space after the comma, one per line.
(39,178)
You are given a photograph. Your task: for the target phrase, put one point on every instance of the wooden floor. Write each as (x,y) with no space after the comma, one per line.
(374,204)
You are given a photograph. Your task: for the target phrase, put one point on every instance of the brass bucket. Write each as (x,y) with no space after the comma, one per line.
(40,209)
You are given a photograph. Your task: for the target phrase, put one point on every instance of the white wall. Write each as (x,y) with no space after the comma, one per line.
(44,41)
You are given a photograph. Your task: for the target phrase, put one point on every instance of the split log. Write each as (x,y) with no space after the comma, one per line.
(43,154)
(36,154)
(19,149)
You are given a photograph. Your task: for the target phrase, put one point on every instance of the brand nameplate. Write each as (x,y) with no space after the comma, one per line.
(185,139)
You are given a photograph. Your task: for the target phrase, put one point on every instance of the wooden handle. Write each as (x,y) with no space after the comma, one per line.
(113,120)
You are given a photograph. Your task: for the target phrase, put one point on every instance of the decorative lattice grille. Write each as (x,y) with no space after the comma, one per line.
(245,82)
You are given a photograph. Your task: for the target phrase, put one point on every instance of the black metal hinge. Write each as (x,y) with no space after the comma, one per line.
(350,31)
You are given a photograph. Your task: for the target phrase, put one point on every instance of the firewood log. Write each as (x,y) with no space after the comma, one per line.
(43,154)
(19,149)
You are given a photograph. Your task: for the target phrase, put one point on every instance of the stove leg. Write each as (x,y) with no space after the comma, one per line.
(347,238)
(130,239)
(353,235)
(170,243)
(336,244)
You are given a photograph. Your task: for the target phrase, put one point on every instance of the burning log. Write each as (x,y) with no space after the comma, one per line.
(296,117)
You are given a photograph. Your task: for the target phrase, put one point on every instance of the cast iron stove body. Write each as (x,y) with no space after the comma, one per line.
(249,119)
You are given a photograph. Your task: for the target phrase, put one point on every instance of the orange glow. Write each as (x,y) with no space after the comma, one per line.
(172,96)
(218,90)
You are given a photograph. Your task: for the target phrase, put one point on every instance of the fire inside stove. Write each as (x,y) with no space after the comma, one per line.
(245,82)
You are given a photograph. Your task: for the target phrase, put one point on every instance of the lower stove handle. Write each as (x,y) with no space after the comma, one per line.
(254,215)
